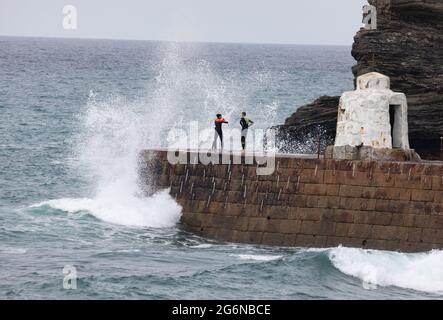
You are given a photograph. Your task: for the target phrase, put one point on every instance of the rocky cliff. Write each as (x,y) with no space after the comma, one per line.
(407,46)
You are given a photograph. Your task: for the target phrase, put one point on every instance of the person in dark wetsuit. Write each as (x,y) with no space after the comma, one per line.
(218,130)
(245,124)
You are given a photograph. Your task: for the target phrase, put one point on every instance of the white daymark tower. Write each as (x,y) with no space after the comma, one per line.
(372,121)
(373,115)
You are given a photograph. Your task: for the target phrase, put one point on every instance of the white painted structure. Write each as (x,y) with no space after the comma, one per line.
(373,115)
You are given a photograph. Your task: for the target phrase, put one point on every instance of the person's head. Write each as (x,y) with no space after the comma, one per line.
(243,114)
(219,115)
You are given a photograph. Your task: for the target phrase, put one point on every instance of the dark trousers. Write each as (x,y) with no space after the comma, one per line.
(217,134)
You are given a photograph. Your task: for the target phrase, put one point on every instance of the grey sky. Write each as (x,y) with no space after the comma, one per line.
(258,21)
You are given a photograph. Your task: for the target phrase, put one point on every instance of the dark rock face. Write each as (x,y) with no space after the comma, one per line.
(302,130)
(407,46)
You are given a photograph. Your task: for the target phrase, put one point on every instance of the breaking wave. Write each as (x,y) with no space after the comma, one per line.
(124,209)
(417,271)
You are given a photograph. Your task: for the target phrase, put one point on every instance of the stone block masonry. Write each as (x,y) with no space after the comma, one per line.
(308,202)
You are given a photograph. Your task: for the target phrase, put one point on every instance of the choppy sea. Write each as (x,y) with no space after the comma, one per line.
(74,115)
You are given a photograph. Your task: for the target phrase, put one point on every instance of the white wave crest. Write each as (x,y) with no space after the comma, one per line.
(417,271)
(158,211)
(202,246)
(11,250)
(258,257)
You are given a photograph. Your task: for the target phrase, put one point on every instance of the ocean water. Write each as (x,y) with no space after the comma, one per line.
(75,113)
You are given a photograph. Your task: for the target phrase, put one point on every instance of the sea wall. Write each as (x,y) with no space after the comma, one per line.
(308,202)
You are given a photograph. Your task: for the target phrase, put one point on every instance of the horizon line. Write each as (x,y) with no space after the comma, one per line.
(176,41)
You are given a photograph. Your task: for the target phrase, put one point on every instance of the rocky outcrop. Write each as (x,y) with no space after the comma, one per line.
(311,123)
(407,46)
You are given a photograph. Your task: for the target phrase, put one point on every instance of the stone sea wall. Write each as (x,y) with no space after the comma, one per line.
(308,202)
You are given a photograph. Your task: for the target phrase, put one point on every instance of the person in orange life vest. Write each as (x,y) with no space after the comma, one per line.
(218,130)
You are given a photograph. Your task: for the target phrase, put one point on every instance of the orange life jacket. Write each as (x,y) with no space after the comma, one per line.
(218,124)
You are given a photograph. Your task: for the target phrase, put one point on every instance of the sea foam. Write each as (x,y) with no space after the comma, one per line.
(258,257)
(417,271)
(157,211)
